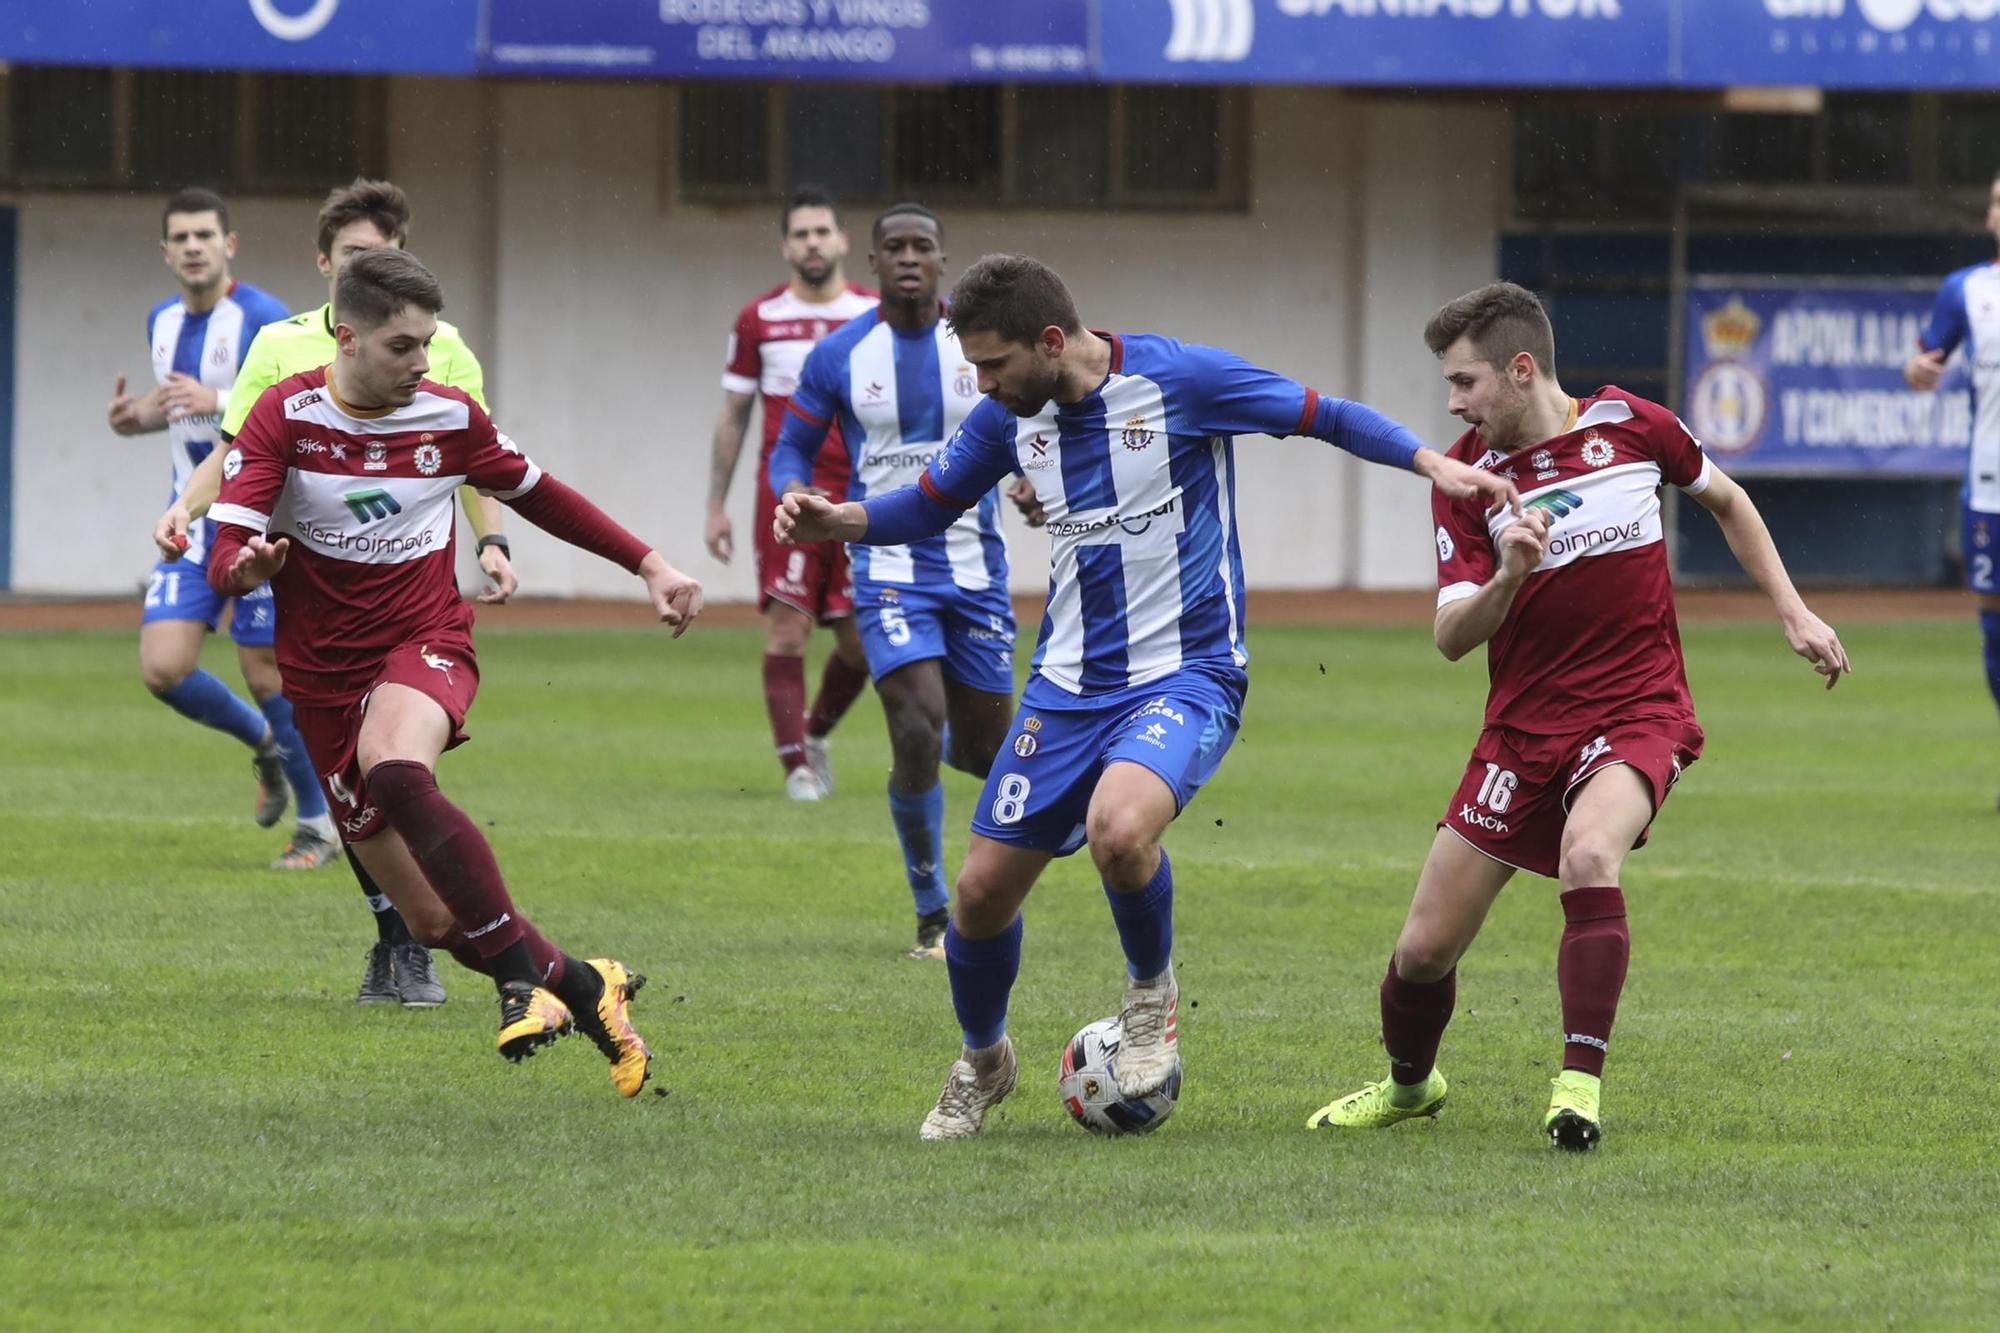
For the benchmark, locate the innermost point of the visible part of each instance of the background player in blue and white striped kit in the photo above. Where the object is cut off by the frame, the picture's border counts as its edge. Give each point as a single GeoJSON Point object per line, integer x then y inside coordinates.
{"type": "Point", "coordinates": [198, 341]}
{"type": "Point", "coordinates": [1139, 677]}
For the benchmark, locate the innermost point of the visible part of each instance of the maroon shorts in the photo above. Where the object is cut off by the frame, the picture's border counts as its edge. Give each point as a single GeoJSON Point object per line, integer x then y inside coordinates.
{"type": "Point", "coordinates": [445, 672]}
{"type": "Point", "coordinates": [1514, 798]}
{"type": "Point", "coordinates": [813, 579]}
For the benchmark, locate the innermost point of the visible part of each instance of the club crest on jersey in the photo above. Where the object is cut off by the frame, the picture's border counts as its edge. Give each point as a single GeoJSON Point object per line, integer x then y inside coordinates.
{"type": "Point", "coordinates": [964, 385]}
{"type": "Point", "coordinates": [1135, 435]}
{"type": "Point", "coordinates": [1024, 745]}
{"type": "Point", "coordinates": [220, 356]}
{"type": "Point", "coordinates": [1596, 450]}
{"type": "Point", "coordinates": [428, 458]}
{"type": "Point", "coordinates": [1543, 459]}
{"type": "Point", "coordinates": [376, 457]}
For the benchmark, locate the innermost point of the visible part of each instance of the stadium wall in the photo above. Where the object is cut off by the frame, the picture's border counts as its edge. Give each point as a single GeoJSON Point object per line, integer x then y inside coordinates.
{"type": "Point", "coordinates": [601, 303]}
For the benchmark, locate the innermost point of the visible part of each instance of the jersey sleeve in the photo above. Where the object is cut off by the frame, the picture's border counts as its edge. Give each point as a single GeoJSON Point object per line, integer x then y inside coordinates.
{"type": "Point", "coordinates": [979, 454]}
{"type": "Point", "coordinates": [1222, 394]}
{"type": "Point", "coordinates": [495, 464]}
{"type": "Point", "coordinates": [744, 365]}
{"type": "Point", "coordinates": [1946, 328]}
{"type": "Point", "coordinates": [258, 372]}
{"type": "Point", "coordinates": [262, 311]}
{"type": "Point", "coordinates": [254, 469]}
{"type": "Point", "coordinates": [1682, 460]}
{"type": "Point", "coordinates": [453, 364]}
{"type": "Point", "coordinates": [1464, 548]}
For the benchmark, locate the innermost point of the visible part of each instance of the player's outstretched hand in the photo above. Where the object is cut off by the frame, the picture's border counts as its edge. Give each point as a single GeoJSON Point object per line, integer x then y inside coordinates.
{"type": "Point", "coordinates": [1022, 493]}
{"type": "Point", "coordinates": [258, 561]}
{"type": "Point", "coordinates": [1462, 482]}
{"type": "Point", "coordinates": [1814, 640]}
{"type": "Point", "coordinates": [719, 535]}
{"type": "Point", "coordinates": [170, 534]}
{"type": "Point", "coordinates": [499, 571]}
{"type": "Point", "coordinates": [1923, 371]}
{"type": "Point", "coordinates": [676, 596]}
{"type": "Point", "coordinates": [1524, 542]}
{"type": "Point", "coordinates": [803, 517]}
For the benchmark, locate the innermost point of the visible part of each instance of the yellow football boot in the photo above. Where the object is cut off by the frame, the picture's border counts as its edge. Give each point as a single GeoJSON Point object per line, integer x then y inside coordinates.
{"type": "Point", "coordinates": [1574, 1123]}
{"type": "Point", "coordinates": [611, 1027]}
{"type": "Point", "coordinates": [1375, 1107]}
{"type": "Point", "coordinates": [530, 1018]}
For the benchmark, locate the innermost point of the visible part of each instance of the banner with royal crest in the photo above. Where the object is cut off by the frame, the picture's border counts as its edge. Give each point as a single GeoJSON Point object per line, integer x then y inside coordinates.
{"type": "Point", "coordinates": [1807, 380]}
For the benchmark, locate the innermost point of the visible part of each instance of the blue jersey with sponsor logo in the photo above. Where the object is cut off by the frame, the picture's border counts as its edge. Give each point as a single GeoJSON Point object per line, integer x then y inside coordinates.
{"type": "Point", "coordinates": [898, 397]}
{"type": "Point", "coordinates": [1968, 314]}
{"type": "Point", "coordinates": [1138, 481]}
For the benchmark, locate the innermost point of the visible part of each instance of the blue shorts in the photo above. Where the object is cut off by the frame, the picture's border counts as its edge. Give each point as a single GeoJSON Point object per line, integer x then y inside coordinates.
{"type": "Point", "coordinates": [178, 590]}
{"type": "Point", "coordinates": [972, 631]}
{"type": "Point", "coordinates": [1038, 793]}
{"type": "Point", "coordinates": [1981, 538]}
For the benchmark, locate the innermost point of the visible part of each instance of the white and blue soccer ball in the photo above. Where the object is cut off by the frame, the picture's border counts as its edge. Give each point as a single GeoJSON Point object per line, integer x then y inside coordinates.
{"type": "Point", "coordinates": [1089, 1085]}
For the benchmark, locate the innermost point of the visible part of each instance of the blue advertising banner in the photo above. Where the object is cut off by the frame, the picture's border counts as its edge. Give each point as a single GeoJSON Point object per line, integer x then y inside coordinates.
{"type": "Point", "coordinates": [1843, 43]}
{"type": "Point", "coordinates": [1016, 41]}
{"type": "Point", "coordinates": [1470, 43]}
{"type": "Point", "coordinates": [302, 36]}
{"type": "Point", "coordinates": [1810, 380]}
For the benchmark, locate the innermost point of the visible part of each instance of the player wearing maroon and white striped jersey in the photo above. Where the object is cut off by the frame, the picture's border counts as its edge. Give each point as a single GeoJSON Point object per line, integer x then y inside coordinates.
{"type": "Point", "coordinates": [1588, 719]}
{"type": "Point", "coordinates": [797, 586]}
{"type": "Point", "coordinates": [339, 490]}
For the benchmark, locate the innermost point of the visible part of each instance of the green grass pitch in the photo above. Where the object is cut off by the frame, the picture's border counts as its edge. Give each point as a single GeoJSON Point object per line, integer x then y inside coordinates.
{"type": "Point", "coordinates": [201, 1129]}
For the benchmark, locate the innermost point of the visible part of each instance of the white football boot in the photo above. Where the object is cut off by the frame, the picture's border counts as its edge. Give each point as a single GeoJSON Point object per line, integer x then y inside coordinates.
{"type": "Point", "coordinates": [802, 784]}
{"type": "Point", "coordinates": [1150, 1045]}
{"type": "Point", "coordinates": [969, 1093]}
{"type": "Point", "coordinates": [820, 762]}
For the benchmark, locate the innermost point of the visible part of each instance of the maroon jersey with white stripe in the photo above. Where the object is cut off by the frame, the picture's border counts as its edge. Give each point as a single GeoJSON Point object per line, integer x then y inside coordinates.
{"type": "Point", "coordinates": [1592, 634]}
{"type": "Point", "coordinates": [366, 499]}
{"type": "Point", "coordinates": [767, 349]}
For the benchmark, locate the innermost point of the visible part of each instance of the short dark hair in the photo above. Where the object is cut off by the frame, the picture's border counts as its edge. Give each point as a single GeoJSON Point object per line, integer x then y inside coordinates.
{"type": "Point", "coordinates": [1502, 319]}
{"type": "Point", "coordinates": [195, 199]}
{"type": "Point", "coordinates": [806, 196]}
{"type": "Point", "coordinates": [906, 210]}
{"type": "Point", "coordinates": [380, 202]}
{"type": "Point", "coordinates": [1013, 296]}
{"type": "Point", "coordinates": [375, 285]}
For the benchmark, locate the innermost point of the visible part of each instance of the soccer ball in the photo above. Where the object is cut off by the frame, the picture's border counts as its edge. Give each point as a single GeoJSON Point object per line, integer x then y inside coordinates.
{"type": "Point", "coordinates": [1090, 1089]}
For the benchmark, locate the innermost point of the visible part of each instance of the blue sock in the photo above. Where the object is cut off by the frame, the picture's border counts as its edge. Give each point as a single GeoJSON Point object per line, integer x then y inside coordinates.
{"type": "Point", "coordinates": [1989, 625]}
{"type": "Point", "coordinates": [298, 764]}
{"type": "Point", "coordinates": [920, 828]}
{"type": "Point", "coordinates": [1146, 922]}
{"type": "Point", "coordinates": [208, 701]}
{"type": "Point", "coordinates": [982, 977]}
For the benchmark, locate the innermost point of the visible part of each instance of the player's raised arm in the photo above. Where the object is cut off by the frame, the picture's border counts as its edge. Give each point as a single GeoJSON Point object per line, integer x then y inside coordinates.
{"type": "Point", "coordinates": [1245, 399]}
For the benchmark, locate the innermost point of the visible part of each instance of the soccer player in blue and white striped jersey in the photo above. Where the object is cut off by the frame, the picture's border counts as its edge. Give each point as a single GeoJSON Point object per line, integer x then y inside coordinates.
{"type": "Point", "coordinates": [1140, 674]}
{"type": "Point", "coordinates": [933, 614]}
{"type": "Point", "coordinates": [198, 340]}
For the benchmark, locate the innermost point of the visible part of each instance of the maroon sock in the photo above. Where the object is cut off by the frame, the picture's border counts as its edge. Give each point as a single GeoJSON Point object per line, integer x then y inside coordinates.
{"type": "Point", "coordinates": [785, 700]}
{"type": "Point", "coordinates": [1590, 970]}
{"type": "Point", "coordinates": [839, 686]}
{"type": "Point", "coordinates": [457, 860]}
{"type": "Point", "coordinates": [1414, 1014]}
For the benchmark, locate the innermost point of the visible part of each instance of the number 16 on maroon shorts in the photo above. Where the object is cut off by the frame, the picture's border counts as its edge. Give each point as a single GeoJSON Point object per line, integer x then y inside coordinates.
{"type": "Point", "coordinates": [1515, 795]}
